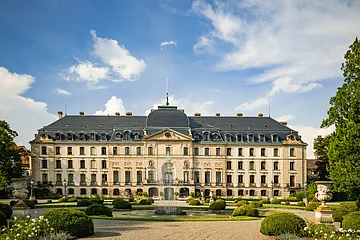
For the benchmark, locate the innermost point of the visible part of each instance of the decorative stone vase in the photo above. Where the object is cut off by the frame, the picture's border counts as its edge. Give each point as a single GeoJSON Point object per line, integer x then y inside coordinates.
{"type": "Point", "coordinates": [20, 192]}
{"type": "Point", "coordinates": [323, 214]}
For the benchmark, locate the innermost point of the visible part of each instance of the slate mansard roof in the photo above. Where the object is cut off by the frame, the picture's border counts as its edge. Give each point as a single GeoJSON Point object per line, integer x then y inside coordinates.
{"type": "Point", "coordinates": [134, 128]}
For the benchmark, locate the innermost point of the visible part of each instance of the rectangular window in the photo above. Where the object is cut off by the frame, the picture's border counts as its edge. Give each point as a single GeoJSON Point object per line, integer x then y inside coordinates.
{"type": "Point", "coordinates": [82, 151]}
{"type": "Point", "coordinates": [58, 163]}
{"type": "Point", "coordinates": [196, 177]}
{"type": "Point", "coordinates": [92, 151]}
{"type": "Point", "coordinates": [252, 179]}
{"type": "Point", "coordinates": [276, 152]}
{"type": "Point", "coordinates": [292, 164]}
{"type": "Point", "coordinates": [240, 179]}
{"type": "Point", "coordinates": [103, 151]}
{"type": "Point", "coordinates": [57, 150]}
{"type": "Point", "coordinates": [218, 178]}
{"type": "Point", "coordinates": [103, 164]}
{"type": "Point", "coordinates": [263, 179]}
{"type": "Point", "coordinates": [43, 150]}
{"type": "Point", "coordinates": [196, 151]}
{"type": "Point", "coordinates": [70, 164]}
{"type": "Point", "coordinates": [93, 179]}
{"type": "Point", "coordinates": [292, 181]}
{"type": "Point", "coordinates": [207, 152]}
{"type": "Point", "coordinates": [115, 151]}
{"type": "Point", "coordinates": [44, 164]}
{"type": "Point", "coordinates": [228, 165]}
{"type": "Point", "coordinates": [150, 151]}
{"type": "Point", "coordinates": [186, 151]}
{"type": "Point", "coordinates": [116, 177]}
{"type": "Point", "coordinates": [240, 151]}
{"type": "Point", "coordinates": [44, 178]}
{"type": "Point", "coordinates": [240, 165]}
{"type": "Point", "coordinates": [151, 176]}
{"type": "Point", "coordinates": [207, 177]}
{"type": "Point", "coordinates": [251, 152]}
{"type": "Point", "coordinates": [139, 177]}
{"type": "Point", "coordinates": [276, 193]}
{"type": "Point", "coordinates": [252, 165]}
{"type": "Point", "coordinates": [82, 163]}
{"type": "Point", "coordinates": [69, 150]}
{"type": "Point", "coordinates": [276, 165]}
{"type": "Point", "coordinates": [70, 178]}
{"type": "Point", "coordinates": [167, 151]}
{"type": "Point", "coordinates": [252, 192]}
{"type": "Point", "coordinates": [228, 178]}
{"type": "Point", "coordinates": [276, 179]}
{"type": "Point", "coordinates": [263, 165]}
{"type": "Point", "coordinates": [58, 179]}
{"type": "Point", "coordinates": [127, 151]}
{"type": "Point", "coordinates": [82, 178]}
{"type": "Point", "coordinates": [228, 152]}
{"type": "Point", "coordinates": [104, 179]}
{"type": "Point", "coordinates": [93, 163]}
{"type": "Point", "coordinates": [138, 151]}
{"type": "Point", "coordinates": [292, 152]}
{"type": "Point", "coordinates": [263, 193]}
{"type": "Point", "coordinates": [263, 152]}
{"type": "Point", "coordinates": [240, 192]}
{"type": "Point", "coordinates": [217, 151]}
{"type": "Point", "coordinates": [127, 177]}
{"type": "Point", "coordinates": [186, 176]}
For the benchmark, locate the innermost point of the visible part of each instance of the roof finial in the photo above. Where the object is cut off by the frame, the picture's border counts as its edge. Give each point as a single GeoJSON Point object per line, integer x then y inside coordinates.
{"type": "Point", "coordinates": [167, 92]}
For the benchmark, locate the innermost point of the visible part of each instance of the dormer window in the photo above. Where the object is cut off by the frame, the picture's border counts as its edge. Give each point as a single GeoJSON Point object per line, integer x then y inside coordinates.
{"type": "Point", "coordinates": [206, 136]}
{"type": "Point", "coordinates": [239, 137]}
{"type": "Point", "coordinates": [136, 136]}
{"type": "Point", "coordinates": [126, 135]}
{"type": "Point", "coordinates": [274, 137]}
{"type": "Point", "coordinates": [92, 136]}
{"type": "Point", "coordinates": [57, 136]}
{"type": "Point", "coordinates": [81, 136]}
{"type": "Point", "coordinates": [103, 136]}
{"type": "Point", "coordinates": [250, 137]}
{"type": "Point", "coordinates": [118, 135]}
{"type": "Point", "coordinates": [215, 136]}
{"type": "Point", "coordinates": [197, 136]}
{"type": "Point", "coordinates": [228, 137]}
{"type": "Point", "coordinates": [262, 137]}
{"type": "Point", "coordinates": [70, 136]}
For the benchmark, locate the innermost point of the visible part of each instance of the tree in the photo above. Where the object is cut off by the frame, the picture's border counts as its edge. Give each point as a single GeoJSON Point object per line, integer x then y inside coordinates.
{"type": "Point", "coordinates": [10, 160]}
{"type": "Point", "coordinates": [344, 114]}
{"type": "Point", "coordinates": [321, 145]}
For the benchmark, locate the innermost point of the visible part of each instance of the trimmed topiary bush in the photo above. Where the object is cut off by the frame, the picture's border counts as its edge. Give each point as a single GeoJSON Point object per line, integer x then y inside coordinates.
{"type": "Point", "coordinates": [120, 203]}
{"type": "Point", "coordinates": [352, 221]}
{"type": "Point", "coordinates": [194, 202]}
{"type": "Point", "coordinates": [218, 205]}
{"type": "Point", "coordinates": [98, 209]}
{"type": "Point", "coordinates": [312, 206]}
{"type": "Point", "coordinates": [276, 201]}
{"type": "Point", "coordinates": [71, 221]}
{"type": "Point", "coordinates": [242, 203]}
{"type": "Point", "coordinates": [255, 204]}
{"type": "Point", "coordinates": [239, 211]}
{"type": "Point", "coordinates": [278, 223]}
{"type": "Point", "coordinates": [7, 210]}
{"type": "Point", "coordinates": [97, 199]}
{"type": "Point", "coordinates": [29, 203]}
{"type": "Point", "coordinates": [300, 204]}
{"type": "Point", "coordinates": [245, 211]}
{"type": "Point", "coordinates": [265, 201]}
{"type": "Point", "coordinates": [146, 201]}
{"type": "Point", "coordinates": [63, 199]}
{"type": "Point", "coordinates": [251, 211]}
{"type": "Point", "coordinates": [188, 200]}
{"type": "Point", "coordinates": [72, 199]}
{"type": "Point", "coordinates": [84, 202]}
{"type": "Point", "coordinates": [338, 214]}
{"type": "Point", "coordinates": [300, 196]}
{"type": "Point", "coordinates": [286, 203]}
{"type": "Point", "coordinates": [350, 207]}
{"type": "Point", "coordinates": [3, 219]}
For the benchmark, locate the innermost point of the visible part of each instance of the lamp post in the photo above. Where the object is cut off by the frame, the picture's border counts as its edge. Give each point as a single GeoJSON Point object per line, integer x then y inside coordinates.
{"type": "Point", "coordinates": [272, 189]}
{"type": "Point", "coordinates": [31, 189]}
{"type": "Point", "coordinates": [65, 184]}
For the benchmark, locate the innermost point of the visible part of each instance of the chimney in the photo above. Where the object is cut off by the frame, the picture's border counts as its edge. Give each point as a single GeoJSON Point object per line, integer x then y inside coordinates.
{"type": "Point", "coordinates": [284, 123]}
{"type": "Point", "coordinates": [197, 114]}
{"type": "Point", "coordinates": [81, 113]}
{"type": "Point", "coordinates": [239, 114]}
{"type": "Point", "coordinates": [128, 113]}
{"type": "Point", "coordinates": [217, 114]}
{"type": "Point", "coordinates": [117, 113]}
{"type": "Point", "coordinates": [260, 115]}
{"type": "Point", "coordinates": [60, 113]}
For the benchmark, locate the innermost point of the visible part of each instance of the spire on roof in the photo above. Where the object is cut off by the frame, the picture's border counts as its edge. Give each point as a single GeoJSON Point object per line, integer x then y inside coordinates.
{"type": "Point", "coordinates": [167, 92]}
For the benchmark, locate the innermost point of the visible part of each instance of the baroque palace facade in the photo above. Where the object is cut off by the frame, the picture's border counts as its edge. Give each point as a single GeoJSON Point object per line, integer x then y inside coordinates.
{"type": "Point", "coordinates": [169, 153]}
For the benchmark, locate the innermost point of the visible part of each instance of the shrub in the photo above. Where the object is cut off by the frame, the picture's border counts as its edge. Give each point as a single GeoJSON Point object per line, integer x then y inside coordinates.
{"type": "Point", "coordinates": [63, 199]}
{"type": "Point", "coordinates": [146, 201]}
{"type": "Point", "coordinates": [350, 207]}
{"type": "Point", "coordinates": [276, 201]}
{"type": "Point", "coordinates": [286, 203]}
{"type": "Point", "coordinates": [72, 199]}
{"type": "Point", "coordinates": [49, 201]}
{"type": "Point", "coordinates": [218, 205]}
{"type": "Point", "coordinates": [98, 209]}
{"type": "Point", "coordinates": [13, 202]}
{"type": "Point", "coordinates": [300, 204]}
{"type": "Point", "coordinates": [251, 211]}
{"type": "Point", "coordinates": [311, 196]}
{"type": "Point", "coordinates": [131, 199]}
{"type": "Point", "coordinates": [255, 204]}
{"type": "Point", "coordinates": [188, 199]}
{"type": "Point", "coordinates": [338, 214]}
{"type": "Point", "coordinates": [7, 210]}
{"type": "Point", "coordinates": [288, 236]}
{"type": "Point", "coordinates": [245, 211]}
{"type": "Point", "coordinates": [192, 194]}
{"type": "Point", "coordinates": [139, 194]}
{"type": "Point", "coordinates": [119, 203]}
{"type": "Point", "coordinates": [71, 221]}
{"type": "Point", "coordinates": [194, 202]}
{"type": "Point", "coordinates": [300, 196]}
{"type": "Point", "coordinates": [145, 194]}
{"type": "Point", "coordinates": [3, 219]}
{"type": "Point", "coordinates": [278, 223]}
{"type": "Point", "coordinates": [352, 221]}
{"type": "Point", "coordinates": [312, 206]}
{"type": "Point", "coordinates": [265, 201]}
{"type": "Point", "coordinates": [29, 203]}
{"type": "Point", "coordinates": [97, 199]}
{"type": "Point", "coordinates": [84, 202]}
{"type": "Point", "coordinates": [242, 203]}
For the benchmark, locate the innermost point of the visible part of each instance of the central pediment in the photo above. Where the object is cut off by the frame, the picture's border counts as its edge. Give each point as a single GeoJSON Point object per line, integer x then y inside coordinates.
{"type": "Point", "coordinates": [168, 135]}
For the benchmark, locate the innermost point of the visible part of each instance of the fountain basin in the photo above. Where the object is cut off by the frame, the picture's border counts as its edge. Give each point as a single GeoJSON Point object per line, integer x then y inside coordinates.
{"type": "Point", "coordinates": [173, 211]}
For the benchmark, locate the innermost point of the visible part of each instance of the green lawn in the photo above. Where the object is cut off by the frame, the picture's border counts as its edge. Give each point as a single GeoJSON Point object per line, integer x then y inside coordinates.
{"type": "Point", "coordinates": [178, 219]}
{"type": "Point", "coordinates": [283, 206]}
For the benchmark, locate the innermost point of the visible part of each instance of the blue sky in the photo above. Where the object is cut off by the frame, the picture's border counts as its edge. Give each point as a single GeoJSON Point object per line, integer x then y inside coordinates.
{"type": "Point", "coordinates": [218, 56]}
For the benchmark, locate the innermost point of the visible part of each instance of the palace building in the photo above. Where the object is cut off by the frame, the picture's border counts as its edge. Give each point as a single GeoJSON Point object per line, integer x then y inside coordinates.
{"type": "Point", "coordinates": [168, 153]}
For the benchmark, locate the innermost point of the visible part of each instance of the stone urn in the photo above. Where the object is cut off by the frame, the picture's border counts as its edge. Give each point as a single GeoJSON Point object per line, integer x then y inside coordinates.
{"type": "Point", "coordinates": [323, 214]}
{"type": "Point", "coordinates": [20, 192]}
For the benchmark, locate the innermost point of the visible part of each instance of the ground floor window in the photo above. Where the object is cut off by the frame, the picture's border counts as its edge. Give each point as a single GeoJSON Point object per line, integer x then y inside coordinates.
{"type": "Point", "coordinates": [83, 191]}
{"type": "Point", "coordinates": [263, 193]}
{"type": "Point", "coordinates": [116, 192]}
{"type": "Point", "coordinates": [104, 191]}
{"type": "Point", "coordinates": [229, 192]}
{"type": "Point", "coordinates": [218, 192]}
{"type": "Point", "coordinates": [59, 190]}
{"type": "Point", "coordinates": [276, 193]}
{"type": "Point", "coordinates": [240, 192]}
{"type": "Point", "coordinates": [93, 191]}
{"type": "Point", "coordinates": [252, 192]}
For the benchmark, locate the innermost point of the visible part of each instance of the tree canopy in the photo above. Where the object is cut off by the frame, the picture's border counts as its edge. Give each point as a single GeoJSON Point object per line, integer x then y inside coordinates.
{"type": "Point", "coordinates": [321, 145]}
{"type": "Point", "coordinates": [344, 114]}
{"type": "Point", "coordinates": [10, 160]}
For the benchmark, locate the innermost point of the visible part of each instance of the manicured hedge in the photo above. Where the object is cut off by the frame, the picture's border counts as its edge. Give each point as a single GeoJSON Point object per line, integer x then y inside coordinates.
{"type": "Point", "coordinates": [121, 204]}
{"type": "Point", "coordinates": [352, 221]}
{"type": "Point", "coordinates": [98, 209]}
{"type": "Point", "coordinates": [146, 201]}
{"type": "Point", "coordinates": [194, 202]}
{"type": "Point", "coordinates": [255, 204]}
{"type": "Point", "coordinates": [300, 204]}
{"type": "Point", "coordinates": [71, 221]}
{"type": "Point", "coordinates": [84, 202]}
{"type": "Point", "coordinates": [276, 201]}
{"type": "Point", "coordinates": [278, 223]}
{"type": "Point", "coordinates": [312, 206]}
{"type": "Point", "coordinates": [218, 205]}
{"type": "Point", "coordinates": [245, 211]}
{"type": "Point", "coordinates": [265, 201]}
{"type": "Point", "coordinates": [242, 203]}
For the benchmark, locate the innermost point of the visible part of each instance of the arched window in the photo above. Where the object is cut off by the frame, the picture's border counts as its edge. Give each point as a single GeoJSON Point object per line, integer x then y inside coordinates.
{"type": "Point", "coordinates": [103, 136]}
{"type": "Point", "coordinates": [206, 136]}
{"type": "Point", "coordinates": [81, 136]}
{"type": "Point", "coordinates": [69, 136]}
{"type": "Point", "coordinates": [250, 137]}
{"type": "Point", "coordinates": [127, 151]}
{"type": "Point", "coordinates": [274, 137]}
{"type": "Point", "coordinates": [118, 135]}
{"type": "Point", "coordinates": [239, 137]}
{"type": "Point", "coordinates": [126, 136]}
{"type": "Point", "coordinates": [262, 137]}
{"type": "Point", "coordinates": [228, 137]}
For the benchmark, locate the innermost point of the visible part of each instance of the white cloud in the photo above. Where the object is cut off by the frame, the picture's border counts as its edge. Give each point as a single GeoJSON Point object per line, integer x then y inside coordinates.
{"type": "Point", "coordinates": [14, 108]}
{"type": "Point", "coordinates": [258, 103]}
{"type": "Point", "coordinates": [296, 44]}
{"type": "Point", "coordinates": [162, 44]}
{"type": "Point", "coordinates": [112, 106]}
{"type": "Point", "coordinates": [285, 118]}
{"type": "Point", "coordinates": [62, 91]}
{"type": "Point", "coordinates": [204, 45]}
{"type": "Point", "coordinates": [188, 104]}
{"type": "Point", "coordinates": [117, 57]}
{"type": "Point", "coordinates": [86, 71]}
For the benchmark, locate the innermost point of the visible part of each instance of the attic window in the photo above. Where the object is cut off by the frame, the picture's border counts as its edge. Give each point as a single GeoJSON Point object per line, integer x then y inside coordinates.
{"type": "Point", "coordinates": [137, 136]}
{"type": "Point", "coordinates": [215, 136]}
{"type": "Point", "coordinates": [250, 137]}
{"type": "Point", "coordinates": [103, 136]}
{"type": "Point", "coordinates": [118, 135]}
{"type": "Point", "coordinates": [92, 136]}
{"type": "Point", "coordinates": [69, 136]}
{"type": "Point", "coordinates": [81, 136]}
{"type": "Point", "coordinates": [274, 137]}
{"type": "Point", "coordinates": [262, 137]}
{"type": "Point", "coordinates": [239, 137]}
{"type": "Point", "coordinates": [100, 124]}
{"type": "Point", "coordinates": [57, 136]}
{"type": "Point", "coordinates": [206, 136]}
{"type": "Point", "coordinates": [126, 135]}
{"type": "Point", "coordinates": [228, 137]}
{"type": "Point", "coordinates": [197, 136]}
{"type": "Point", "coordinates": [166, 135]}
